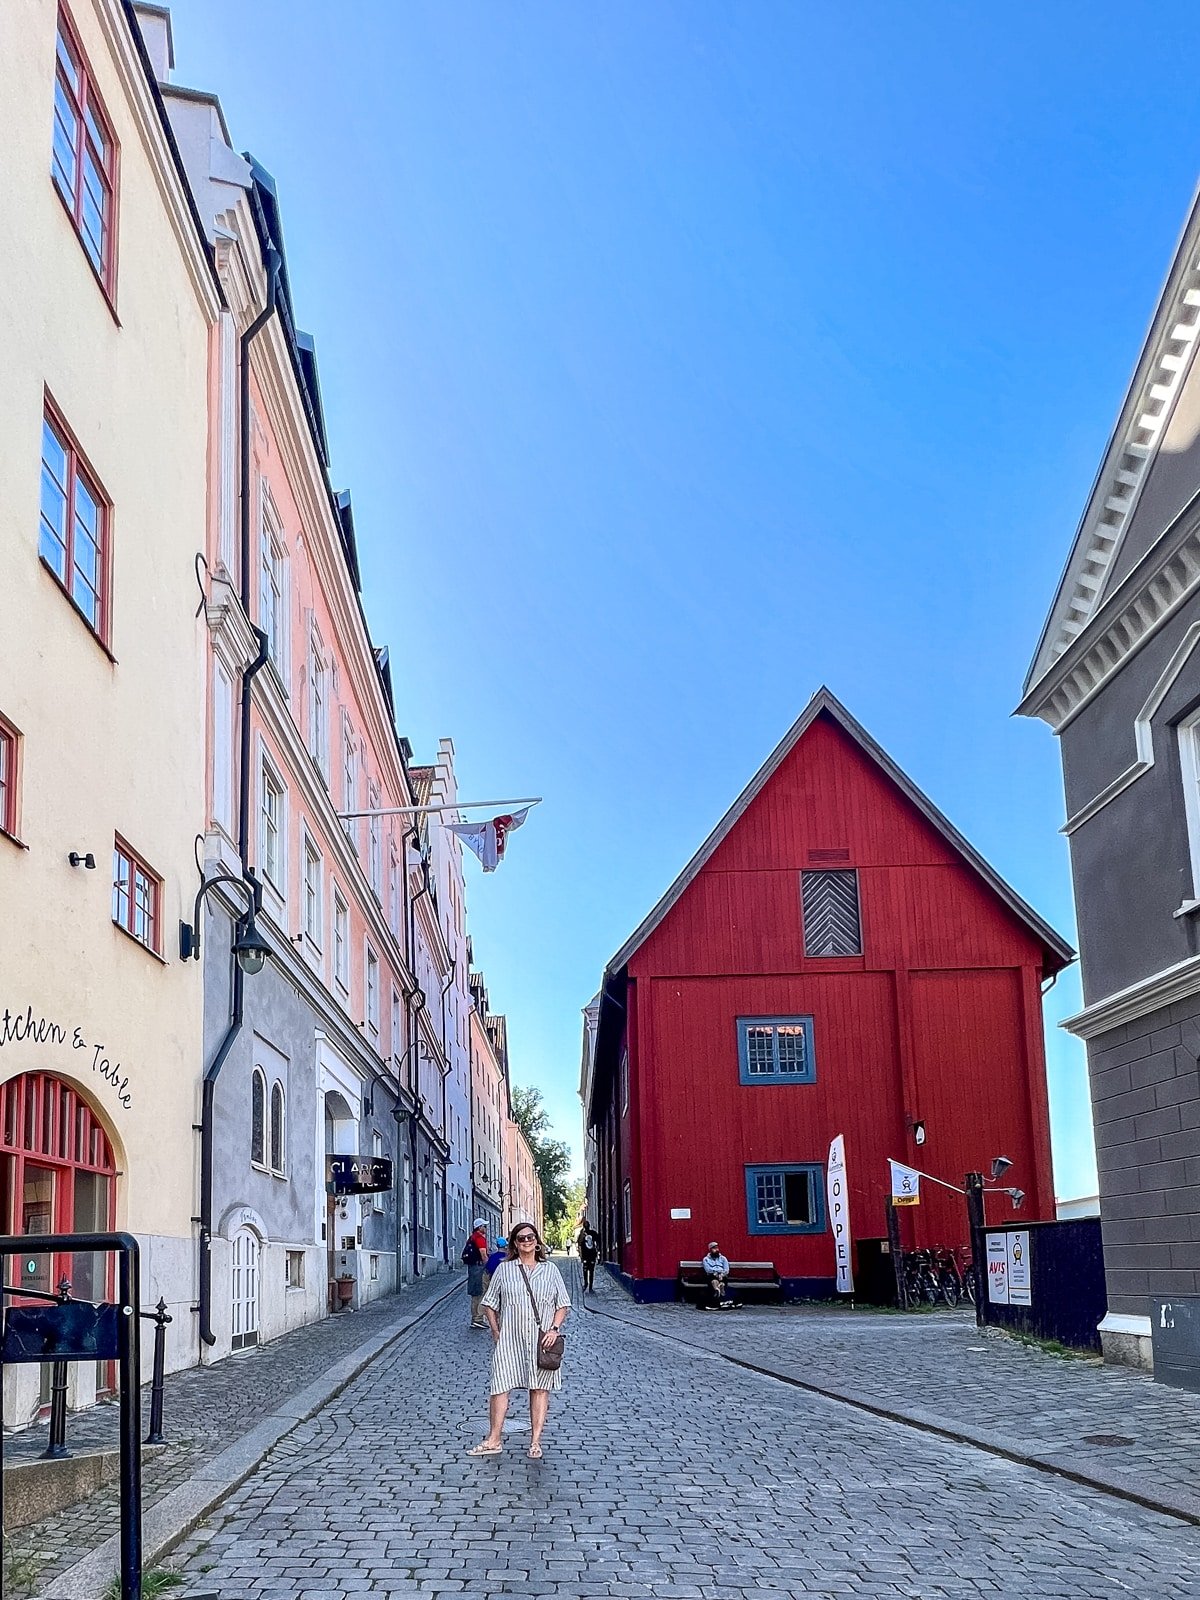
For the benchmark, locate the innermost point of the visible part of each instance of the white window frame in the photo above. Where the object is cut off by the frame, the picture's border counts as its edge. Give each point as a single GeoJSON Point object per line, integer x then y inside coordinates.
{"type": "Point", "coordinates": [375, 843]}
{"type": "Point", "coordinates": [341, 941]}
{"type": "Point", "coordinates": [269, 780]}
{"type": "Point", "coordinates": [313, 894]}
{"type": "Point", "coordinates": [394, 1041]}
{"type": "Point", "coordinates": [273, 583]}
{"type": "Point", "coordinates": [280, 1170]}
{"type": "Point", "coordinates": [349, 780]}
{"type": "Point", "coordinates": [222, 757]}
{"type": "Point", "coordinates": [1189, 766]}
{"type": "Point", "coordinates": [318, 703]}
{"type": "Point", "coordinates": [377, 1154]}
{"type": "Point", "coordinates": [371, 976]}
{"type": "Point", "coordinates": [394, 891]}
{"type": "Point", "coordinates": [261, 1164]}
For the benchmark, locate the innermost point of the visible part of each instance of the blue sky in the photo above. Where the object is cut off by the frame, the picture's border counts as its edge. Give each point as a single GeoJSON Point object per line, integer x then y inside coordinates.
{"type": "Point", "coordinates": [682, 357]}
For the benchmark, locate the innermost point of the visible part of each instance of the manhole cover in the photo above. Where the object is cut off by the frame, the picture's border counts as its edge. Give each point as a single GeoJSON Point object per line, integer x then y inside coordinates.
{"type": "Point", "coordinates": [1108, 1439]}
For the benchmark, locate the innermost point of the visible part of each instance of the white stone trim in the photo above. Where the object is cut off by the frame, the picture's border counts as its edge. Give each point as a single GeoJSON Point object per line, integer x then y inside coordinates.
{"type": "Point", "coordinates": [1143, 736]}
{"type": "Point", "coordinates": [1062, 694]}
{"type": "Point", "coordinates": [1178, 982]}
{"type": "Point", "coordinates": [1119, 1322]}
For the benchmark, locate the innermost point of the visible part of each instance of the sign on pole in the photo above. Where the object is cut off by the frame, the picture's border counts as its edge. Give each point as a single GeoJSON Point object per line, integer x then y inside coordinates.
{"type": "Point", "coordinates": [839, 1214]}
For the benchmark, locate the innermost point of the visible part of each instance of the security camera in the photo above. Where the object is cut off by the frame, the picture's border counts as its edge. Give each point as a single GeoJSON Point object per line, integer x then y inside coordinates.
{"type": "Point", "coordinates": [1000, 1166]}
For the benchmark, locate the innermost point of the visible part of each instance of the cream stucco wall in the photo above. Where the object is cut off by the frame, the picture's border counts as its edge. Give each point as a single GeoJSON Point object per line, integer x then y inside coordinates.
{"type": "Point", "coordinates": [110, 743]}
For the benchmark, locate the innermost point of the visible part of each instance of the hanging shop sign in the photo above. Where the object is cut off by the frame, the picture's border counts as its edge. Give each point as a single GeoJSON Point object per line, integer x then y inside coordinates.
{"type": "Point", "coordinates": [358, 1174]}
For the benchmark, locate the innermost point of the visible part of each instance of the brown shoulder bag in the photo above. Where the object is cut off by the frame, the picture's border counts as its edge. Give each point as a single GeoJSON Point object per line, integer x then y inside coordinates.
{"type": "Point", "coordinates": [549, 1356]}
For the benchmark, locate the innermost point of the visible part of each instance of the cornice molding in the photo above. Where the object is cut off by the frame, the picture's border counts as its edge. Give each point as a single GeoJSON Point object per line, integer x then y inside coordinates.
{"type": "Point", "coordinates": [1162, 582]}
{"type": "Point", "coordinates": [1167, 355]}
{"type": "Point", "coordinates": [1141, 999]}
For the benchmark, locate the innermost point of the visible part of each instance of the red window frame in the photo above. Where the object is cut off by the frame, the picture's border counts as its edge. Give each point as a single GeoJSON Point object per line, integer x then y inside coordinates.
{"type": "Point", "coordinates": [10, 777]}
{"type": "Point", "coordinates": [78, 470]}
{"type": "Point", "coordinates": [85, 104]}
{"type": "Point", "coordinates": [48, 1123]}
{"type": "Point", "coordinates": [126, 908]}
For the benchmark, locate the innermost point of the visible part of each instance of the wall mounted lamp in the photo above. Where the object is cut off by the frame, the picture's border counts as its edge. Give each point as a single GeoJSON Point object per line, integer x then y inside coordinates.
{"type": "Point", "coordinates": [250, 948]}
{"type": "Point", "coordinates": [77, 860]}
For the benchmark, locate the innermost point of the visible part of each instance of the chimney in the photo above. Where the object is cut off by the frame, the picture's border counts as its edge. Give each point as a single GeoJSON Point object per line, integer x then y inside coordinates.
{"type": "Point", "coordinates": [155, 24]}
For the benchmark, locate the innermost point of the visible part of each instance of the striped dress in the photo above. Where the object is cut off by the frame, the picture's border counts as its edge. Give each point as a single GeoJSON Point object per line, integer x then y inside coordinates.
{"type": "Point", "coordinates": [514, 1362]}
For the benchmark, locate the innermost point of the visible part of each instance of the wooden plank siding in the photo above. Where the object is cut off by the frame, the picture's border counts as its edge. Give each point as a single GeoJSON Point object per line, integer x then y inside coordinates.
{"type": "Point", "coordinates": [939, 1020]}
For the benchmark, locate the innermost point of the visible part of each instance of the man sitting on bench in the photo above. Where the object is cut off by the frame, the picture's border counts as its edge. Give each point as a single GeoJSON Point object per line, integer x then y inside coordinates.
{"type": "Point", "coordinates": [716, 1269]}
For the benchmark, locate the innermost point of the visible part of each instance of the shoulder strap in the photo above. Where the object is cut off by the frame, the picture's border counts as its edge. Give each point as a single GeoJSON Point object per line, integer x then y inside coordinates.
{"type": "Point", "coordinates": [529, 1291]}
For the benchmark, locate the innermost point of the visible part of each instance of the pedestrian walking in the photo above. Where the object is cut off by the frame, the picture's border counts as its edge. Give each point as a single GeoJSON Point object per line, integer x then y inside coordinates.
{"type": "Point", "coordinates": [589, 1254]}
{"type": "Point", "coordinates": [526, 1305]}
{"type": "Point", "coordinates": [499, 1254]}
{"type": "Point", "coordinates": [474, 1257]}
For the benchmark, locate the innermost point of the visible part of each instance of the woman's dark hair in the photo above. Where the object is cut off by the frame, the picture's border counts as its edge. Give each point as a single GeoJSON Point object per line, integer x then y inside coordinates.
{"type": "Point", "coordinates": [540, 1254]}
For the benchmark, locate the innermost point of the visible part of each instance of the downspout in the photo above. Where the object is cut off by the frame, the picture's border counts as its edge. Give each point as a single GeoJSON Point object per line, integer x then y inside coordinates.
{"type": "Point", "coordinates": [446, 987]}
{"type": "Point", "coordinates": [414, 1071]}
{"type": "Point", "coordinates": [237, 994]}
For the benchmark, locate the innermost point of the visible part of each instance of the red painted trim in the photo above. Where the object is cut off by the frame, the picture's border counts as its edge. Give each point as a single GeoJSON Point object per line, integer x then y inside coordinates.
{"type": "Point", "coordinates": [89, 99]}
{"type": "Point", "coordinates": [10, 806]}
{"type": "Point", "coordinates": [79, 467]}
{"type": "Point", "coordinates": [135, 864]}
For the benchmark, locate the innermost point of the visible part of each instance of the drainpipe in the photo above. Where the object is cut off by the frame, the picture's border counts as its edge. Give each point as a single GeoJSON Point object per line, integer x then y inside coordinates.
{"type": "Point", "coordinates": [446, 987]}
{"type": "Point", "coordinates": [237, 988]}
{"type": "Point", "coordinates": [414, 1071]}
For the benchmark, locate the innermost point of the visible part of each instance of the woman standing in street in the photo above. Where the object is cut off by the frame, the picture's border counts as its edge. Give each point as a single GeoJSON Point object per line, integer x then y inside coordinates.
{"type": "Point", "coordinates": [526, 1305]}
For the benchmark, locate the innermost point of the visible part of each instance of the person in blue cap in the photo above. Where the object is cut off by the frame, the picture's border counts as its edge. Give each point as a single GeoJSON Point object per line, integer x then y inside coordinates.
{"type": "Point", "coordinates": [497, 1255]}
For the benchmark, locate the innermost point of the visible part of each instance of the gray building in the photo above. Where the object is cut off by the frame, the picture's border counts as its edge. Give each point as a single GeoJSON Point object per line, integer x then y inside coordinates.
{"type": "Point", "coordinates": [1117, 676]}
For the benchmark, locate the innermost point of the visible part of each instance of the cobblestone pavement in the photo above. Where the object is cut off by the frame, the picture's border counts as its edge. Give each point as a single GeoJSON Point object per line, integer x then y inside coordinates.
{"type": "Point", "coordinates": [667, 1473]}
{"type": "Point", "coordinates": [205, 1409]}
{"type": "Point", "coordinates": [939, 1364]}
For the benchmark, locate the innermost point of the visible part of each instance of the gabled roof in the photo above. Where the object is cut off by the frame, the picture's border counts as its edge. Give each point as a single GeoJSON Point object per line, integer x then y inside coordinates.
{"type": "Point", "coordinates": [825, 703]}
{"type": "Point", "coordinates": [1145, 415]}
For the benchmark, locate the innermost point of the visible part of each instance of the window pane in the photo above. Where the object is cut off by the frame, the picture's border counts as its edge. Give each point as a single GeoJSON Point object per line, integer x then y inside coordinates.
{"type": "Point", "coordinates": [143, 909]}
{"type": "Point", "coordinates": [759, 1060]}
{"type": "Point", "coordinates": [798, 1189]}
{"type": "Point", "coordinates": [66, 131]}
{"type": "Point", "coordinates": [277, 1127]}
{"type": "Point", "coordinates": [67, 61]}
{"type": "Point", "coordinates": [120, 889]}
{"type": "Point", "coordinates": [793, 1055]}
{"type": "Point", "coordinates": [258, 1117]}
{"type": "Point", "coordinates": [769, 1186]}
{"type": "Point", "coordinates": [53, 529]}
{"type": "Point", "coordinates": [97, 135]}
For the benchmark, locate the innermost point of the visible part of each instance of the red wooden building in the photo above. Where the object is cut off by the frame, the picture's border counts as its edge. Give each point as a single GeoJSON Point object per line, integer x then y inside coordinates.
{"type": "Point", "coordinates": [835, 959]}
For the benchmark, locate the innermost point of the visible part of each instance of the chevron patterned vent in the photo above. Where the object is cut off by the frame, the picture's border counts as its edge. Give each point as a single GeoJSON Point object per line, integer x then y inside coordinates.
{"type": "Point", "coordinates": [830, 901]}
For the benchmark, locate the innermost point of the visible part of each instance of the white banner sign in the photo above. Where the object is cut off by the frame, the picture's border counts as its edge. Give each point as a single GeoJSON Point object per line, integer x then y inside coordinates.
{"type": "Point", "coordinates": [997, 1269]}
{"type": "Point", "coordinates": [906, 1185]}
{"type": "Point", "coordinates": [839, 1214]}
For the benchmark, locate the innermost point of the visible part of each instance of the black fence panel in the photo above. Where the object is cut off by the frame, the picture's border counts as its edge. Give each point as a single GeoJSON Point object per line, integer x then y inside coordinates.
{"type": "Point", "coordinates": [1044, 1279]}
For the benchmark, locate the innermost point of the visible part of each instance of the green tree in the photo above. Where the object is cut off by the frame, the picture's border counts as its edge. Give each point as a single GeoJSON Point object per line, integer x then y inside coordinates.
{"type": "Point", "coordinates": [551, 1157]}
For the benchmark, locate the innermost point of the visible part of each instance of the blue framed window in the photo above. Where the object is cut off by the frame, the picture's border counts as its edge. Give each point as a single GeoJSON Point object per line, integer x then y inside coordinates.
{"type": "Point", "coordinates": [776, 1050]}
{"type": "Point", "coordinates": [788, 1198]}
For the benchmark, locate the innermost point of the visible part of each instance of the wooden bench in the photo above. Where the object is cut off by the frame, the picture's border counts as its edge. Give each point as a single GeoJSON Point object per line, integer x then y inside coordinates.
{"type": "Point", "coordinates": [757, 1279]}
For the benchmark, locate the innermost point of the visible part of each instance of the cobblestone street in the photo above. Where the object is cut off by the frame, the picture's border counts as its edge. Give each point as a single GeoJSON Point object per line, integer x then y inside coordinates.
{"type": "Point", "coordinates": [668, 1472]}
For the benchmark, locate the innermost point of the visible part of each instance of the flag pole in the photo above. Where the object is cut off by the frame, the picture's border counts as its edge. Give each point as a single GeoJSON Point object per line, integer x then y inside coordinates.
{"type": "Point", "coordinates": [423, 811]}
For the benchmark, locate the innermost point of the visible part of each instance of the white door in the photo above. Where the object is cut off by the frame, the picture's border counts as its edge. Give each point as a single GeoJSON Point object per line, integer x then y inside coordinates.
{"type": "Point", "coordinates": [245, 1289]}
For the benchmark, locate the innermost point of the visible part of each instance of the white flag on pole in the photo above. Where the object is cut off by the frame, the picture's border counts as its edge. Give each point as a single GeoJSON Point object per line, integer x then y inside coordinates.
{"type": "Point", "coordinates": [839, 1214]}
{"type": "Point", "coordinates": [906, 1185]}
{"type": "Point", "coordinates": [488, 839]}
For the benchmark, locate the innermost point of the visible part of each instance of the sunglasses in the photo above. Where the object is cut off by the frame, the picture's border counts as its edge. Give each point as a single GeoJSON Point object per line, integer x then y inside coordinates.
{"type": "Point", "coordinates": [524, 1238]}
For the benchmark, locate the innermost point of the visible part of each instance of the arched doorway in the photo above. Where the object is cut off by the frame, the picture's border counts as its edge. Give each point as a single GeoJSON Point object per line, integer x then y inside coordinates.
{"type": "Point", "coordinates": [57, 1175]}
{"type": "Point", "coordinates": [244, 1288]}
{"type": "Point", "coordinates": [341, 1222]}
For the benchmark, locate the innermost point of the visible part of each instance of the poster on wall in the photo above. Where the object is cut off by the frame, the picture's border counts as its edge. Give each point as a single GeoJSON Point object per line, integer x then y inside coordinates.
{"type": "Point", "coordinates": [1020, 1283]}
{"type": "Point", "coordinates": [997, 1269]}
{"type": "Point", "coordinates": [839, 1214]}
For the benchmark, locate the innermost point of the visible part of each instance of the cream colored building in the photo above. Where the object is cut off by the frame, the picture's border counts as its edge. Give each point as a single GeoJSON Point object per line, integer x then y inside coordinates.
{"type": "Point", "coordinates": [108, 308]}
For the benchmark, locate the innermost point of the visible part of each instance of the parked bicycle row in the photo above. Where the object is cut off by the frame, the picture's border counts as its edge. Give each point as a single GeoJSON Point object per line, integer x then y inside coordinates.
{"type": "Point", "coordinates": [927, 1277]}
